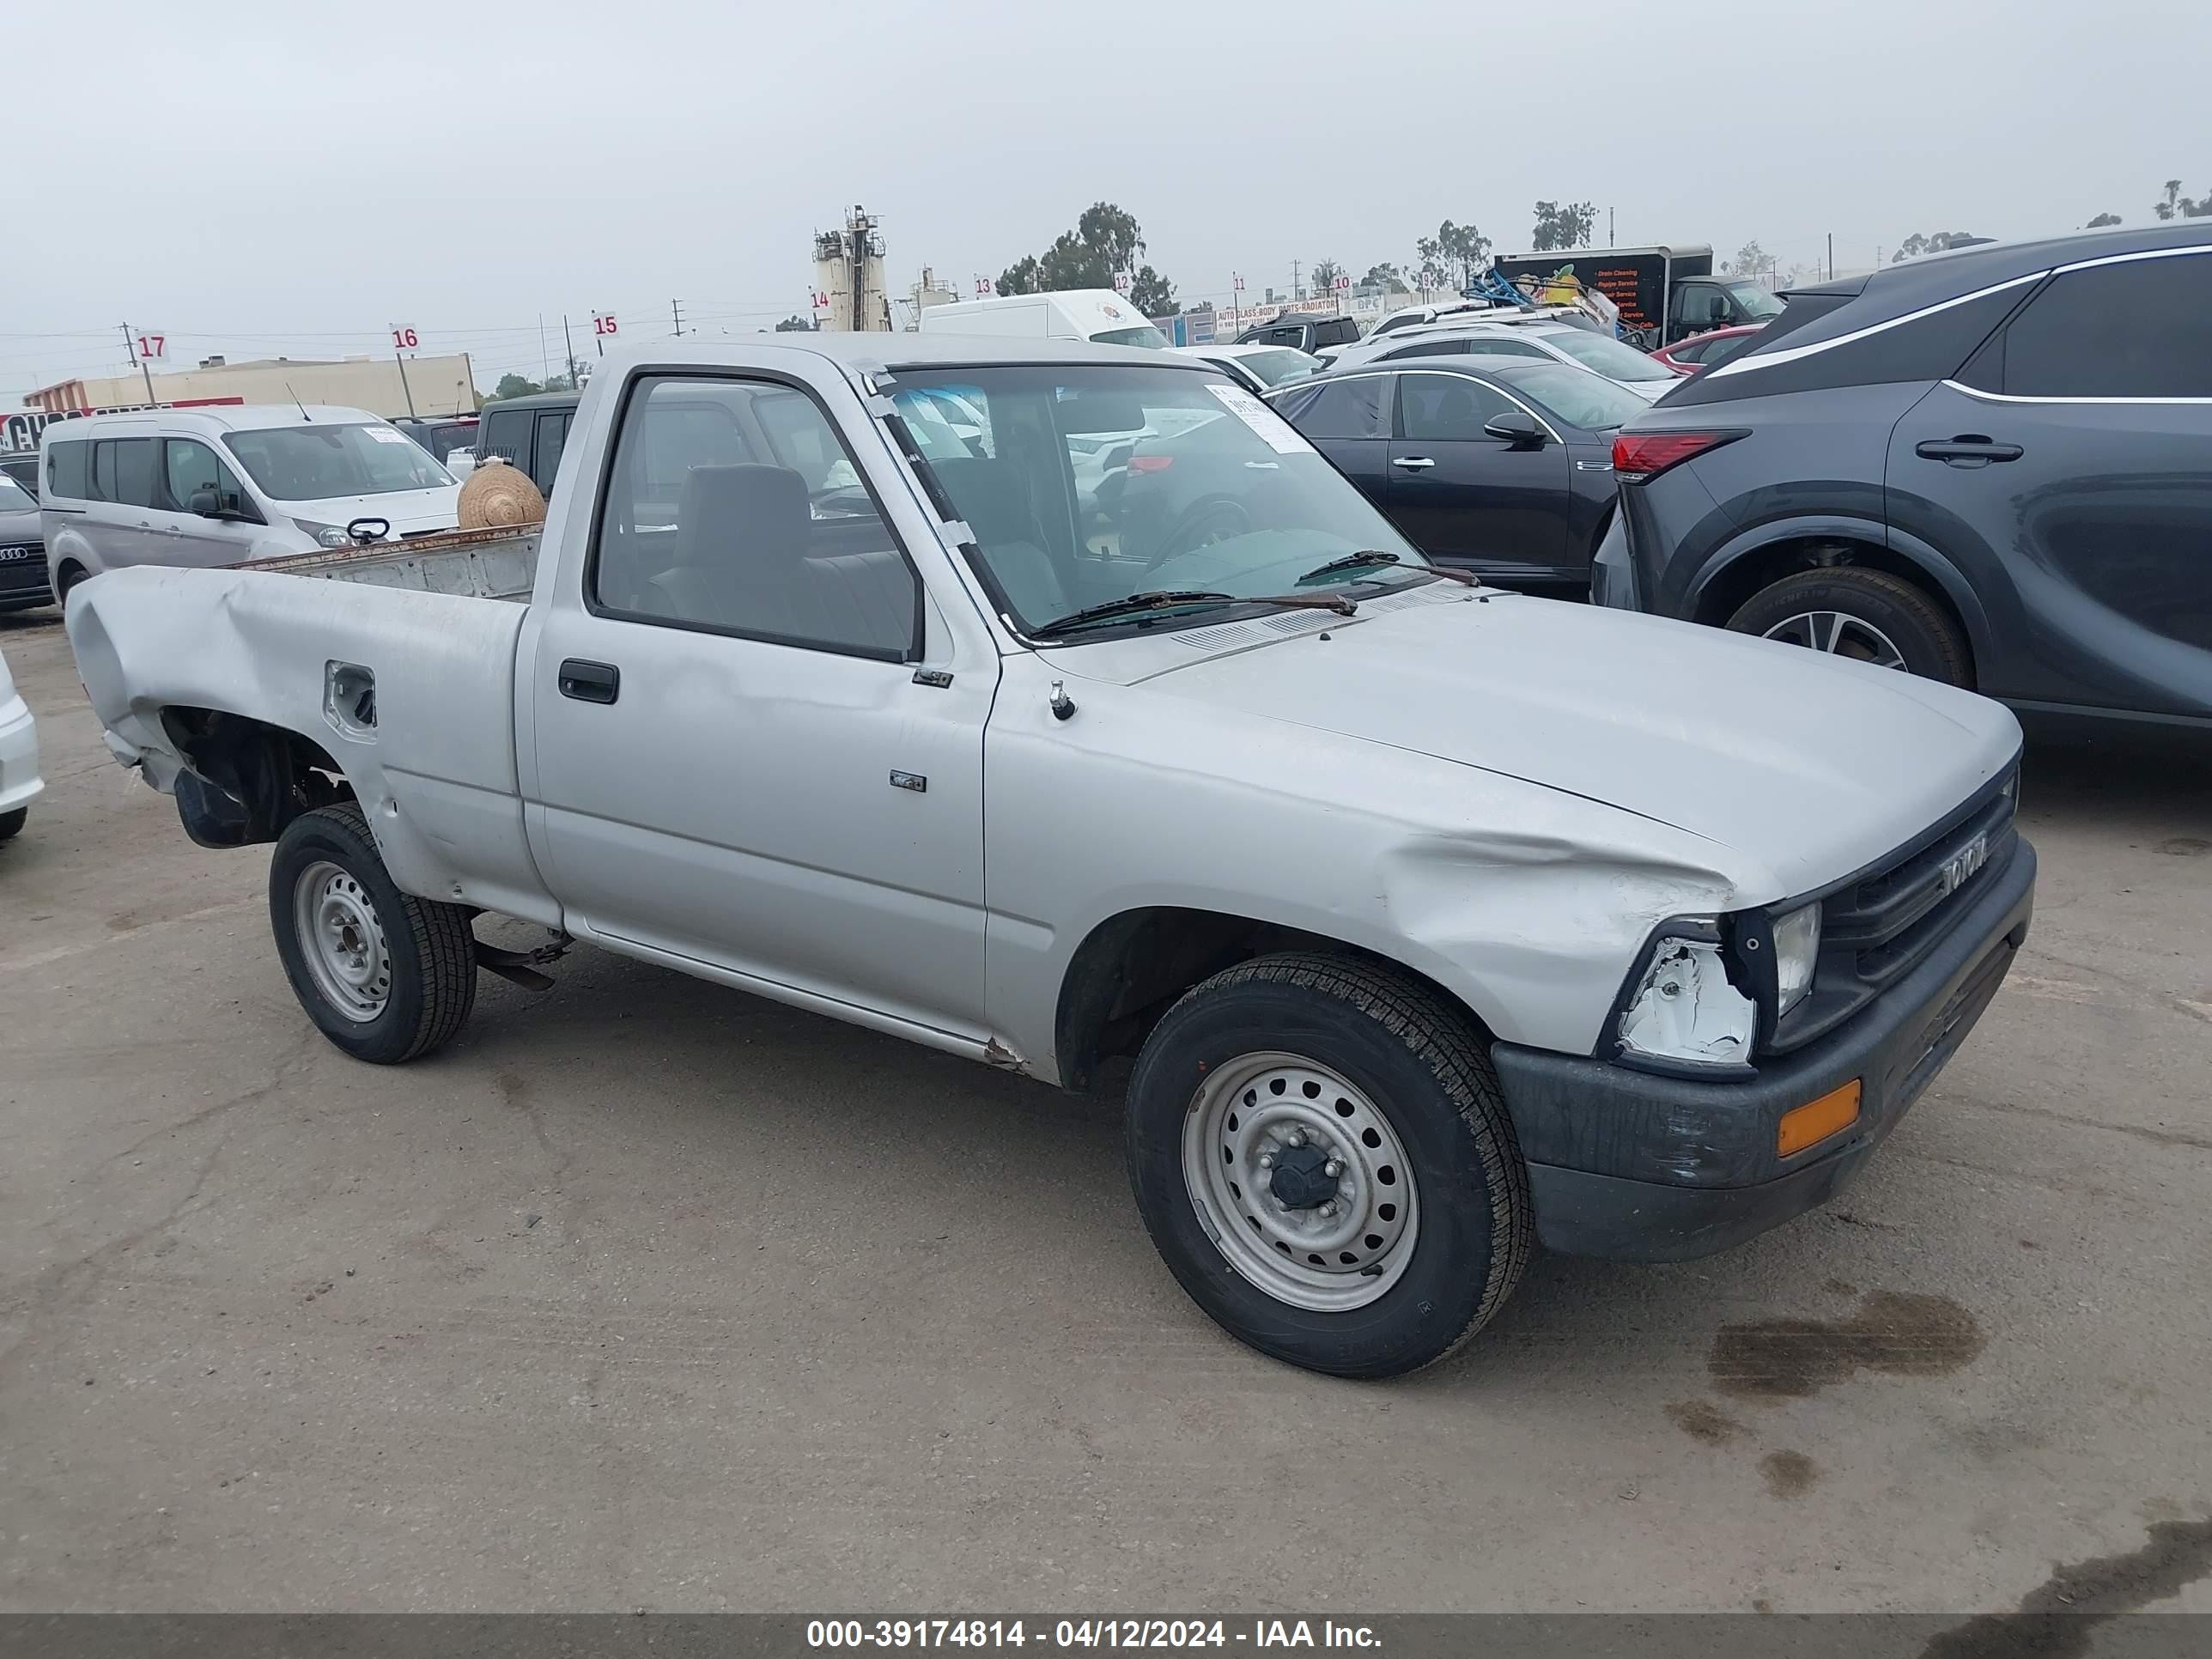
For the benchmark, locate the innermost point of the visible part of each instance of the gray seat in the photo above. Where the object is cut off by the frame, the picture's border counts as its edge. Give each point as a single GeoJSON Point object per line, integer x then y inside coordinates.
{"type": "Point", "coordinates": [741, 561]}
{"type": "Point", "coordinates": [989, 495]}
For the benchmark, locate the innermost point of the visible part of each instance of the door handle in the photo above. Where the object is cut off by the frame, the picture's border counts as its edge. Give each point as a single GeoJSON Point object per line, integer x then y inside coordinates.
{"type": "Point", "coordinates": [1413, 463]}
{"type": "Point", "coordinates": [590, 682]}
{"type": "Point", "coordinates": [1967, 446]}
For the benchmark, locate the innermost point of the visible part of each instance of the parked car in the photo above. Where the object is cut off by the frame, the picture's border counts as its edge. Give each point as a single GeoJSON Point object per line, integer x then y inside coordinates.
{"type": "Point", "coordinates": [528, 432]}
{"type": "Point", "coordinates": [1663, 294]}
{"type": "Point", "coordinates": [23, 581]}
{"type": "Point", "coordinates": [1702, 351]}
{"type": "Point", "coordinates": [1097, 315]}
{"type": "Point", "coordinates": [23, 465]}
{"type": "Point", "coordinates": [1317, 337]}
{"type": "Point", "coordinates": [1257, 368]}
{"type": "Point", "coordinates": [1495, 465]}
{"type": "Point", "coordinates": [1534, 340]}
{"type": "Point", "coordinates": [1440, 921]}
{"type": "Point", "coordinates": [1987, 467]}
{"type": "Point", "coordinates": [1424, 316]}
{"type": "Point", "coordinates": [20, 782]}
{"type": "Point", "coordinates": [216, 486]}
{"type": "Point", "coordinates": [442, 437]}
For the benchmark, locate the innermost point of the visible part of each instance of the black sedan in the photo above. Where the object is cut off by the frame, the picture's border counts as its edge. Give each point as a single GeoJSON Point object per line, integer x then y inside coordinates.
{"type": "Point", "coordinates": [1505, 469]}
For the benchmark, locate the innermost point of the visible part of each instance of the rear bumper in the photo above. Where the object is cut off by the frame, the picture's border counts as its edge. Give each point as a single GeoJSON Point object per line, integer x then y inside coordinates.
{"type": "Point", "coordinates": [1635, 1167]}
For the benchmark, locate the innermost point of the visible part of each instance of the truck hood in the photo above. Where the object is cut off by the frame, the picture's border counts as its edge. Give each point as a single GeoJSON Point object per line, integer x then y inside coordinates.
{"type": "Point", "coordinates": [1808, 765]}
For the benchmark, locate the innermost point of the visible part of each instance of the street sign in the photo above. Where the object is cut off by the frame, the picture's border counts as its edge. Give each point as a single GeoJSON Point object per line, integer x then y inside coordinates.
{"type": "Point", "coordinates": [603, 323]}
{"type": "Point", "coordinates": [821, 301]}
{"type": "Point", "coordinates": [985, 289]}
{"type": "Point", "coordinates": [1343, 282]}
{"type": "Point", "coordinates": [150, 346]}
{"type": "Point", "coordinates": [404, 339]}
{"type": "Point", "coordinates": [1123, 281]}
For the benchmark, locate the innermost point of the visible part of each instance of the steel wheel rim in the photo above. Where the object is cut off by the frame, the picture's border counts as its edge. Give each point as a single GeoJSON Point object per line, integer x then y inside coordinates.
{"type": "Point", "coordinates": [1840, 635]}
{"type": "Point", "coordinates": [1288, 1108]}
{"type": "Point", "coordinates": [342, 939]}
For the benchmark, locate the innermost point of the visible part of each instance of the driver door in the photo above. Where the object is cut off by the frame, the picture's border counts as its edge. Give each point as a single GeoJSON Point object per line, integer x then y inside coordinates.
{"type": "Point", "coordinates": [1468, 499]}
{"type": "Point", "coordinates": [191, 470]}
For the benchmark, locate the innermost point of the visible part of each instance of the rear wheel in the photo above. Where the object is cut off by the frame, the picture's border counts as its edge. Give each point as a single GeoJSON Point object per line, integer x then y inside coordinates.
{"type": "Point", "coordinates": [1321, 1153]}
{"type": "Point", "coordinates": [385, 975]}
{"type": "Point", "coordinates": [1866, 616]}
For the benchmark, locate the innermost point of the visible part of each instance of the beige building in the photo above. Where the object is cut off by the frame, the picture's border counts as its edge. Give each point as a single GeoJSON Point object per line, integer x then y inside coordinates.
{"type": "Point", "coordinates": [438, 386]}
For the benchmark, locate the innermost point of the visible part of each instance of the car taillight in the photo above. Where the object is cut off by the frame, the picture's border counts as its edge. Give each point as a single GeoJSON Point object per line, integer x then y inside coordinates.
{"type": "Point", "coordinates": [1638, 456]}
{"type": "Point", "coordinates": [1150, 463]}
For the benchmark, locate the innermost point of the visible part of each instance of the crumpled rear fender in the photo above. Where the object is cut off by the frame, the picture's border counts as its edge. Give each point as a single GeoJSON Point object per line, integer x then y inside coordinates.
{"type": "Point", "coordinates": [432, 768]}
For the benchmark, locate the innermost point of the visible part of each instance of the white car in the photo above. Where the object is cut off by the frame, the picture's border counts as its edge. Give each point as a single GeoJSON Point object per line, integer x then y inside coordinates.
{"type": "Point", "coordinates": [1257, 368]}
{"type": "Point", "coordinates": [225, 485]}
{"type": "Point", "coordinates": [1533, 338]}
{"type": "Point", "coordinates": [20, 782]}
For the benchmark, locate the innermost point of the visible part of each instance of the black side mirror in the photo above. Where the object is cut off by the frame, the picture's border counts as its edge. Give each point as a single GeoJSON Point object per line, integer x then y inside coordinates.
{"type": "Point", "coordinates": [1517, 427]}
{"type": "Point", "coordinates": [206, 503]}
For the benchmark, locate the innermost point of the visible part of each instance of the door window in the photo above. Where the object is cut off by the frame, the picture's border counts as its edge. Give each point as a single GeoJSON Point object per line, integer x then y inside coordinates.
{"type": "Point", "coordinates": [545, 462]}
{"type": "Point", "coordinates": [1428, 348]}
{"type": "Point", "coordinates": [1503, 349]}
{"type": "Point", "coordinates": [189, 467]}
{"type": "Point", "coordinates": [507, 432]}
{"type": "Point", "coordinates": [707, 526]}
{"type": "Point", "coordinates": [123, 471]}
{"type": "Point", "coordinates": [1703, 307]}
{"type": "Point", "coordinates": [1448, 408]}
{"type": "Point", "coordinates": [1358, 408]}
{"type": "Point", "coordinates": [2140, 329]}
{"type": "Point", "coordinates": [68, 471]}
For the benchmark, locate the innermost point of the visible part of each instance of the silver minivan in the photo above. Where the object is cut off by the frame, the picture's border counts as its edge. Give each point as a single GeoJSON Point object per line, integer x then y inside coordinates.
{"type": "Point", "coordinates": [226, 485]}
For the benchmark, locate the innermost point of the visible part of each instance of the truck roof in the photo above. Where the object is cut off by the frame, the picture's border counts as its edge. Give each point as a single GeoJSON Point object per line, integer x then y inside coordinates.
{"type": "Point", "coordinates": [1672, 251]}
{"type": "Point", "coordinates": [891, 351]}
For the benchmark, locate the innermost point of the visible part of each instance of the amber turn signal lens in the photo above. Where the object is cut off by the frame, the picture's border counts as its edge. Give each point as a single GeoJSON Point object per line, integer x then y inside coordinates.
{"type": "Point", "coordinates": [1816, 1119]}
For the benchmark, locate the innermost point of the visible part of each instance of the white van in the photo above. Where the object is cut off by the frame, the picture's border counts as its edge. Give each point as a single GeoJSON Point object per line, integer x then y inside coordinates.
{"type": "Point", "coordinates": [224, 485]}
{"type": "Point", "coordinates": [1097, 315]}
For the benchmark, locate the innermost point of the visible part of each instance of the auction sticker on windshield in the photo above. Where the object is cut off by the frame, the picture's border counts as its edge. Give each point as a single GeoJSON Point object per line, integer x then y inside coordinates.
{"type": "Point", "coordinates": [1278, 433]}
{"type": "Point", "coordinates": [385, 434]}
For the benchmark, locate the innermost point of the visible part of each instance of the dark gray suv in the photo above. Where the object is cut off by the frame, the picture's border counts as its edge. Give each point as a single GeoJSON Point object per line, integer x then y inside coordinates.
{"type": "Point", "coordinates": [1991, 467]}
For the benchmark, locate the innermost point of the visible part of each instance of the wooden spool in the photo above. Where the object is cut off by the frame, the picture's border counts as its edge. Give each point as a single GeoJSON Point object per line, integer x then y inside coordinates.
{"type": "Point", "coordinates": [497, 494]}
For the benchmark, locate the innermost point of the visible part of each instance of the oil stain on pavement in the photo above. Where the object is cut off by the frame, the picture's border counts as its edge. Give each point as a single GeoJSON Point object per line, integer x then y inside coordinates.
{"type": "Point", "coordinates": [2057, 1618]}
{"type": "Point", "coordinates": [1896, 1333]}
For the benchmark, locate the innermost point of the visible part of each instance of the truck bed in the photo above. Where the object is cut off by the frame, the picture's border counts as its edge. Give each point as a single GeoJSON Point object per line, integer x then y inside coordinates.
{"type": "Point", "coordinates": [499, 563]}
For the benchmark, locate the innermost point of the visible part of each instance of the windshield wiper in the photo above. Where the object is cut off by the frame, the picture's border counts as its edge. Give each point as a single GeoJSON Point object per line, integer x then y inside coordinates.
{"type": "Point", "coordinates": [1359, 560]}
{"type": "Point", "coordinates": [1137, 604]}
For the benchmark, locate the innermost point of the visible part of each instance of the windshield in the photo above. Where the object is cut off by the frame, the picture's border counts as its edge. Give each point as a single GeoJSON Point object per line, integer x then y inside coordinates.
{"type": "Point", "coordinates": [314, 463]}
{"type": "Point", "coordinates": [1143, 334]}
{"type": "Point", "coordinates": [1610, 358]}
{"type": "Point", "coordinates": [1755, 302]}
{"type": "Point", "coordinates": [13, 498]}
{"type": "Point", "coordinates": [1083, 485]}
{"type": "Point", "coordinates": [1576, 397]}
{"type": "Point", "coordinates": [1280, 364]}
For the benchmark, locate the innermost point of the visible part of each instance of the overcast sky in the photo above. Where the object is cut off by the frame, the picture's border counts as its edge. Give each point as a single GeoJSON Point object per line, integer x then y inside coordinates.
{"type": "Point", "coordinates": [295, 178]}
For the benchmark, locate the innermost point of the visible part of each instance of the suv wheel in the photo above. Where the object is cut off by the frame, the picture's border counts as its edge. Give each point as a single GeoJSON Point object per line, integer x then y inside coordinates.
{"type": "Point", "coordinates": [1867, 616]}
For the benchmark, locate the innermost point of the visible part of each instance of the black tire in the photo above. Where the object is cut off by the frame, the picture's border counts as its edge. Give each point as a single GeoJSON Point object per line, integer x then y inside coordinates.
{"type": "Point", "coordinates": [11, 823]}
{"type": "Point", "coordinates": [1422, 1062]}
{"type": "Point", "coordinates": [430, 949]}
{"type": "Point", "coordinates": [66, 579]}
{"type": "Point", "coordinates": [1927, 639]}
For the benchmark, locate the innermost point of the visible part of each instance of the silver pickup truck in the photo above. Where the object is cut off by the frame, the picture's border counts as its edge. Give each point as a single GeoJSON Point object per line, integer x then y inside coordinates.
{"type": "Point", "coordinates": [1058, 706]}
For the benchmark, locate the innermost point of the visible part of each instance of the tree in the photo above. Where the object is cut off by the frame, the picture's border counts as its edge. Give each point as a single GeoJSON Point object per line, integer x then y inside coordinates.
{"type": "Point", "coordinates": [2101, 220]}
{"type": "Point", "coordinates": [513, 386]}
{"type": "Point", "coordinates": [1105, 242]}
{"type": "Point", "coordinates": [1462, 245]}
{"type": "Point", "coordinates": [1750, 259]}
{"type": "Point", "coordinates": [1384, 275]}
{"type": "Point", "coordinates": [1564, 227]}
{"type": "Point", "coordinates": [1429, 263]}
{"type": "Point", "coordinates": [2175, 204]}
{"type": "Point", "coordinates": [1152, 294]}
{"type": "Point", "coordinates": [1323, 279]}
{"type": "Point", "coordinates": [795, 323]}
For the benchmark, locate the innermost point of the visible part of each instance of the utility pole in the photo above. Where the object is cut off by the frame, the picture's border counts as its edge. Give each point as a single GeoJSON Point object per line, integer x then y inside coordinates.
{"type": "Point", "coordinates": [404, 386]}
{"type": "Point", "coordinates": [1831, 256]}
{"type": "Point", "coordinates": [131, 350]}
{"type": "Point", "coordinates": [1294, 280]}
{"type": "Point", "coordinates": [1611, 240]}
{"type": "Point", "coordinates": [676, 310]}
{"type": "Point", "coordinates": [544, 362]}
{"type": "Point", "coordinates": [569, 341]}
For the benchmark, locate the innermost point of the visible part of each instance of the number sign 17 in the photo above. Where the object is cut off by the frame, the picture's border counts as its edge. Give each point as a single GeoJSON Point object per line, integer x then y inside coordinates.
{"type": "Point", "coordinates": [152, 347]}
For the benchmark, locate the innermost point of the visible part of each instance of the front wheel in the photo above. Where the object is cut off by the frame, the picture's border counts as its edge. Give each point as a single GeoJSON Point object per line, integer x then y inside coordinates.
{"type": "Point", "coordinates": [1320, 1154]}
{"type": "Point", "coordinates": [11, 823]}
{"type": "Point", "coordinates": [1867, 616]}
{"type": "Point", "coordinates": [385, 975]}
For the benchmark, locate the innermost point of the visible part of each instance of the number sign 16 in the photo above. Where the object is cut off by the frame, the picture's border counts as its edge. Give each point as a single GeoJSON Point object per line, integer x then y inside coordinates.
{"type": "Point", "coordinates": [404, 339]}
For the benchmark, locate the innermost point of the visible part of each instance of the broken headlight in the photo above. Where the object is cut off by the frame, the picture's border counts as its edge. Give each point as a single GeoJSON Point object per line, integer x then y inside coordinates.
{"type": "Point", "coordinates": [1681, 1009]}
{"type": "Point", "coordinates": [1796, 949]}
